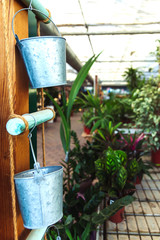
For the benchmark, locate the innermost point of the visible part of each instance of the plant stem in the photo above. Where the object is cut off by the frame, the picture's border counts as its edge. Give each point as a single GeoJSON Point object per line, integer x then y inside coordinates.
{"type": "Point", "coordinates": [104, 224]}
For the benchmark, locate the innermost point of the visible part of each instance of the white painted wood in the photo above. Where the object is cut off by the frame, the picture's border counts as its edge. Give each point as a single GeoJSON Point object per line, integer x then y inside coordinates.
{"type": "Point", "coordinates": [36, 234]}
{"type": "Point", "coordinates": [16, 126]}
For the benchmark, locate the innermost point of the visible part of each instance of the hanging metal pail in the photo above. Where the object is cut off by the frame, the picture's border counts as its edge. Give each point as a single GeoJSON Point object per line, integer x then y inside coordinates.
{"type": "Point", "coordinates": [44, 58]}
{"type": "Point", "coordinates": [40, 196]}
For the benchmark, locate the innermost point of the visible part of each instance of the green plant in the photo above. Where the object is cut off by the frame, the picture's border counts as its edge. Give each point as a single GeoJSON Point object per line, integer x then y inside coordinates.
{"type": "Point", "coordinates": [107, 137]}
{"type": "Point", "coordinates": [146, 107]}
{"type": "Point", "coordinates": [81, 163]}
{"type": "Point", "coordinates": [80, 207]}
{"type": "Point", "coordinates": [70, 228]}
{"type": "Point", "coordinates": [101, 116]}
{"type": "Point", "coordinates": [134, 145]}
{"type": "Point", "coordinates": [134, 77]}
{"type": "Point", "coordinates": [86, 116]}
{"type": "Point", "coordinates": [65, 111]}
{"type": "Point", "coordinates": [119, 108]}
{"type": "Point", "coordinates": [157, 52]}
{"type": "Point", "coordinates": [112, 172]}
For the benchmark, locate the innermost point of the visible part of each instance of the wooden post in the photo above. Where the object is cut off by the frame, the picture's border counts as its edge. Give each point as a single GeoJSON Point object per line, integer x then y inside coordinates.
{"type": "Point", "coordinates": [96, 85]}
{"type": "Point", "coordinates": [21, 144]}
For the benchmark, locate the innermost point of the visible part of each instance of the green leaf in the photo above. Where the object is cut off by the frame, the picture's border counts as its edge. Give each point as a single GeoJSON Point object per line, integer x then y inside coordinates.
{"type": "Point", "coordinates": [101, 134]}
{"type": "Point", "coordinates": [68, 220]}
{"type": "Point", "coordinates": [121, 178]}
{"type": "Point", "coordinates": [65, 117]}
{"type": "Point", "coordinates": [93, 203]}
{"type": "Point", "coordinates": [68, 234]}
{"type": "Point", "coordinates": [111, 164]}
{"type": "Point", "coordinates": [50, 238]}
{"type": "Point", "coordinates": [92, 119]}
{"type": "Point", "coordinates": [100, 164]}
{"type": "Point", "coordinates": [121, 157]}
{"type": "Point", "coordinates": [95, 126]}
{"type": "Point", "coordinates": [132, 168]}
{"type": "Point", "coordinates": [86, 232]}
{"type": "Point", "coordinates": [79, 81]}
{"type": "Point", "coordinates": [63, 137]}
{"type": "Point", "coordinates": [64, 122]}
{"type": "Point", "coordinates": [117, 126]}
{"type": "Point", "coordinates": [86, 217]}
{"type": "Point", "coordinates": [103, 215]}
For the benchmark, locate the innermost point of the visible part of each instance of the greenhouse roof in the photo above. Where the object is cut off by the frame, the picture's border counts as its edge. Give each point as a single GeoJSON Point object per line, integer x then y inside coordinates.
{"type": "Point", "coordinates": [124, 30]}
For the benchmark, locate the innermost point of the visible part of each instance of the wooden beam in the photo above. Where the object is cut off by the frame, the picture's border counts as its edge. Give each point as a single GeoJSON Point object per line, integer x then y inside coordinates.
{"type": "Point", "coordinates": [106, 24]}
{"type": "Point", "coordinates": [20, 93]}
{"type": "Point", "coordinates": [109, 33]}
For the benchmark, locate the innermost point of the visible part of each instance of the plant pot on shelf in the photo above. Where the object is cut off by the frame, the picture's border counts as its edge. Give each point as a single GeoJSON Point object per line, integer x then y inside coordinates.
{"type": "Point", "coordinates": [87, 130]}
{"type": "Point", "coordinates": [155, 157]}
{"type": "Point", "coordinates": [118, 216]}
{"type": "Point", "coordinates": [138, 180]}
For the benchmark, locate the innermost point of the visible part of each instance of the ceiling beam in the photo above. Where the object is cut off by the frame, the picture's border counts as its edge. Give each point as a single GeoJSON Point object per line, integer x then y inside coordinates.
{"type": "Point", "coordinates": [109, 33]}
{"type": "Point", "coordinates": [106, 24]}
{"type": "Point", "coordinates": [121, 61]}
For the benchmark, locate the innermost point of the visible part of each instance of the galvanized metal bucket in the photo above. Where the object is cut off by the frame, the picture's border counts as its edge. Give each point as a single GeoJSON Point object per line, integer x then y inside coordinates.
{"type": "Point", "coordinates": [40, 196]}
{"type": "Point", "coordinates": [44, 57]}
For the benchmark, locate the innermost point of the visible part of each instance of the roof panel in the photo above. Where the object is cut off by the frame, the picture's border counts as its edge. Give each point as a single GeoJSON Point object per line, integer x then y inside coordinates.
{"type": "Point", "coordinates": [101, 19]}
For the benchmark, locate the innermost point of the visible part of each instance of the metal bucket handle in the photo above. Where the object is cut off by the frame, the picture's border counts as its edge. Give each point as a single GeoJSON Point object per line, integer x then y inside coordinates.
{"type": "Point", "coordinates": [31, 9]}
{"type": "Point", "coordinates": [36, 164]}
{"type": "Point", "coordinates": [58, 237]}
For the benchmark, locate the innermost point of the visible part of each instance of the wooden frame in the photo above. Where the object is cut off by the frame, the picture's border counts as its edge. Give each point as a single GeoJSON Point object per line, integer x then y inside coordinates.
{"type": "Point", "coordinates": [21, 105]}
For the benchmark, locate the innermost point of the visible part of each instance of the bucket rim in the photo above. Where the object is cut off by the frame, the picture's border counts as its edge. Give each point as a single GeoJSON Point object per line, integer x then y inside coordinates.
{"type": "Point", "coordinates": [42, 226]}
{"type": "Point", "coordinates": [37, 37]}
{"type": "Point", "coordinates": [18, 175]}
{"type": "Point", "coordinates": [49, 85]}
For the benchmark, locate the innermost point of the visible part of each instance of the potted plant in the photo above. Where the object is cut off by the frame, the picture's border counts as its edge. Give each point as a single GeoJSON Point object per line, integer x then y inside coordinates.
{"type": "Point", "coordinates": [134, 145]}
{"type": "Point", "coordinates": [80, 167]}
{"type": "Point", "coordinates": [112, 172]}
{"type": "Point", "coordinates": [134, 77]}
{"type": "Point", "coordinates": [119, 108]}
{"type": "Point", "coordinates": [86, 116]}
{"type": "Point", "coordinates": [146, 107]}
{"type": "Point", "coordinates": [101, 116]}
{"type": "Point", "coordinates": [81, 219]}
{"type": "Point", "coordinates": [108, 136]}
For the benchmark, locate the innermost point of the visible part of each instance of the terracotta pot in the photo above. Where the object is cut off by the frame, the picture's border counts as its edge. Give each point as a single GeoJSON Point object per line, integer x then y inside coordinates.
{"type": "Point", "coordinates": [87, 130]}
{"type": "Point", "coordinates": [138, 180]}
{"type": "Point", "coordinates": [155, 157]}
{"type": "Point", "coordinates": [118, 216]}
